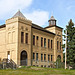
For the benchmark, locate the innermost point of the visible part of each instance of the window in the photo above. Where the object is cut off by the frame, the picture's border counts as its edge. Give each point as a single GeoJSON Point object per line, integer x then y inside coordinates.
{"type": "Point", "coordinates": [57, 44]}
{"type": "Point", "coordinates": [41, 65]}
{"type": "Point", "coordinates": [33, 39]}
{"type": "Point", "coordinates": [48, 57]}
{"type": "Point", "coordinates": [22, 37]}
{"type": "Point", "coordinates": [44, 65]}
{"type": "Point", "coordinates": [60, 45]}
{"type": "Point", "coordinates": [51, 43]}
{"type": "Point", "coordinates": [51, 58]}
{"type": "Point", "coordinates": [37, 38]}
{"type": "Point", "coordinates": [44, 57]}
{"type": "Point", "coordinates": [33, 55]}
{"type": "Point", "coordinates": [41, 57]}
{"type": "Point", "coordinates": [8, 54]}
{"type": "Point", "coordinates": [41, 42]}
{"type": "Point", "coordinates": [48, 43]}
{"type": "Point", "coordinates": [53, 22]}
{"type": "Point", "coordinates": [44, 42]}
{"type": "Point", "coordinates": [26, 38]}
{"type": "Point", "coordinates": [36, 56]}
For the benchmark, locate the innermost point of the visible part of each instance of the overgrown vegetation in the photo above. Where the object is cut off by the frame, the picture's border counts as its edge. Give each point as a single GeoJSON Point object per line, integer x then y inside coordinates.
{"type": "Point", "coordinates": [36, 71]}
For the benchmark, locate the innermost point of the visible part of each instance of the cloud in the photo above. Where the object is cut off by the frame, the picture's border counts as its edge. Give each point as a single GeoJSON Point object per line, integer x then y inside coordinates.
{"type": "Point", "coordinates": [9, 6]}
{"type": "Point", "coordinates": [70, 7]}
{"type": "Point", "coordinates": [38, 17]}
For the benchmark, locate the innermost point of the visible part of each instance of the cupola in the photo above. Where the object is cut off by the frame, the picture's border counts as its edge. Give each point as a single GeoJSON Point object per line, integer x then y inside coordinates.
{"type": "Point", "coordinates": [52, 21]}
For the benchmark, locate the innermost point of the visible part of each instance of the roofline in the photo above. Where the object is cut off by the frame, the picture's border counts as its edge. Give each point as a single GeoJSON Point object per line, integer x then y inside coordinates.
{"type": "Point", "coordinates": [2, 26]}
{"type": "Point", "coordinates": [43, 30]}
{"type": "Point", "coordinates": [53, 26]}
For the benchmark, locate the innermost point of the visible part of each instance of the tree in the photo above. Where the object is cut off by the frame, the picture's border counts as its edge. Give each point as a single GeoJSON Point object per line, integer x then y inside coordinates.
{"type": "Point", "coordinates": [70, 43]}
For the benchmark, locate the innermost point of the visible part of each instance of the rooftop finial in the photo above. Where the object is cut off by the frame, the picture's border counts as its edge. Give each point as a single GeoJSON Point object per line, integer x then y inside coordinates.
{"type": "Point", "coordinates": [18, 9]}
{"type": "Point", "coordinates": [52, 13]}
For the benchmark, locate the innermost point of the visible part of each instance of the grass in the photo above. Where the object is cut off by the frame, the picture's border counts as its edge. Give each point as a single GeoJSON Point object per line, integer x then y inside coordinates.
{"type": "Point", "coordinates": [36, 71]}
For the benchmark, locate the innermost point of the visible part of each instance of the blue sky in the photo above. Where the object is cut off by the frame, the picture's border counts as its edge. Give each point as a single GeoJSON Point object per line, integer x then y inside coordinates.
{"type": "Point", "coordinates": [39, 11]}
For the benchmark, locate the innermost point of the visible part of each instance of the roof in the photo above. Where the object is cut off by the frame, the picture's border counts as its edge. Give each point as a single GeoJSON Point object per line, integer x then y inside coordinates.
{"type": "Point", "coordinates": [19, 14]}
{"type": "Point", "coordinates": [2, 26]}
{"type": "Point", "coordinates": [33, 26]}
{"type": "Point", "coordinates": [52, 18]}
{"type": "Point", "coordinates": [53, 26]}
{"type": "Point", "coordinates": [40, 28]}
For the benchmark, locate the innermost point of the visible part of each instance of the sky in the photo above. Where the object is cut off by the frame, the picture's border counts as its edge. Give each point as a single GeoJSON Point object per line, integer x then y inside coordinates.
{"type": "Point", "coordinates": [39, 11]}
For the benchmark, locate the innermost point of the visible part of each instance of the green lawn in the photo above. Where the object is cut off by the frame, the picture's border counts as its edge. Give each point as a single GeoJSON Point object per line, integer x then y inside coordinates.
{"type": "Point", "coordinates": [37, 71]}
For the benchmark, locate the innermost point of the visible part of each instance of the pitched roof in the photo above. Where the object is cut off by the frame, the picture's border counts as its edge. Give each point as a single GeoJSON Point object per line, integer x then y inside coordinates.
{"type": "Point", "coordinates": [19, 14]}
{"type": "Point", "coordinates": [52, 18]}
{"type": "Point", "coordinates": [2, 26]}
{"type": "Point", "coordinates": [40, 28]}
{"type": "Point", "coordinates": [53, 26]}
{"type": "Point", "coordinates": [33, 26]}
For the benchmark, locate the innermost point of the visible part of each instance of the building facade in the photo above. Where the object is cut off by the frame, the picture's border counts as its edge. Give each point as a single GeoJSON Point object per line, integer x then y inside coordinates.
{"type": "Point", "coordinates": [29, 44]}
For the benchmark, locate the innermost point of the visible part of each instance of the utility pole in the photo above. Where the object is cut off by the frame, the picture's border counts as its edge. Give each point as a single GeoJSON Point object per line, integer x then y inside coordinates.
{"type": "Point", "coordinates": [65, 47]}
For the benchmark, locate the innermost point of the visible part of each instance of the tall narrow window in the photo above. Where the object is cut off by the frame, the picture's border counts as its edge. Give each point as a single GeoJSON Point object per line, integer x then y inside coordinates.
{"type": "Point", "coordinates": [41, 57]}
{"type": "Point", "coordinates": [36, 56]}
{"type": "Point", "coordinates": [41, 42]}
{"type": "Point", "coordinates": [8, 53]}
{"type": "Point", "coordinates": [51, 58]}
{"type": "Point", "coordinates": [33, 56]}
{"type": "Point", "coordinates": [60, 45]}
{"type": "Point", "coordinates": [44, 42]}
{"type": "Point", "coordinates": [22, 37]}
{"type": "Point", "coordinates": [51, 44]}
{"type": "Point", "coordinates": [33, 39]}
{"type": "Point", "coordinates": [37, 38]}
{"type": "Point", "coordinates": [26, 38]}
{"type": "Point", "coordinates": [57, 44]}
{"type": "Point", "coordinates": [48, 57]}
{"type": "Point", "coordinates": [44, 57]}
{"type": "Point", "coordinates": [48, 43]}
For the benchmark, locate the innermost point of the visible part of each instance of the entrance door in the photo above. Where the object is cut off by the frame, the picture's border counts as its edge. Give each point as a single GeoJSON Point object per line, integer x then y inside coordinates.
{"type": "Point", "coordinates": [8, 55]}
{"type": "Point", "coordinates": [23, 58]}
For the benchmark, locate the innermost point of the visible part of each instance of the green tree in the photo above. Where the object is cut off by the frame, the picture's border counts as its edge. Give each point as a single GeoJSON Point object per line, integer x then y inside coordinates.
{"type": "Point", "coordinates": [70, 43]}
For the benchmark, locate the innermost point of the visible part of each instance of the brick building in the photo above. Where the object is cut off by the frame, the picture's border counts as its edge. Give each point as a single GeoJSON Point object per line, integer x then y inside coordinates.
{"type": "Point", "coordinates": [29, 44]}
